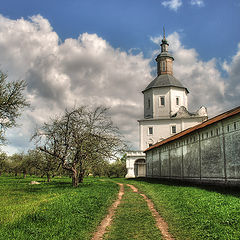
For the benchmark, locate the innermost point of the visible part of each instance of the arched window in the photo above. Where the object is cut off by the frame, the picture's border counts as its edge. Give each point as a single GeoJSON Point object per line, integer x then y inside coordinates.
{"type": "Point", "coordinates": [150, 130]}
{"type": "Point", "coordinates": [177, 101]}
{"type": "Point", "coordinates": [163, 66]}
{"type": "Point", "coordinates": [161, 101]}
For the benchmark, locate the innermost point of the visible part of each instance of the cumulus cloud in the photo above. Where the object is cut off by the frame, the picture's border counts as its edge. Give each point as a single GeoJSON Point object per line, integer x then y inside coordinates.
{"type": "Point", "coordinates": [198, 3]}
{"type": "Point", "coordinates": [172, 4]}
{"type": "Point", "coordinates": [233, 79]}
{"type": "Point", "coordinates": [89, 71]}
{"type": "Point", "coordinates": [83, 71]}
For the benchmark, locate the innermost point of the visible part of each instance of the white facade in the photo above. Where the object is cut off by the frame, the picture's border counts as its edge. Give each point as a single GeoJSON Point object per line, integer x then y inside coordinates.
{"type": "Point", "coordinates": [154, 107]}
{"type": "Point", "coordinates": [162, 129]}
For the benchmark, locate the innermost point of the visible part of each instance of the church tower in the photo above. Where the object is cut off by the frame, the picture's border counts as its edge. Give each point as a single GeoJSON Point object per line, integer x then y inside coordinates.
{"type": "Point", "coordinates": [166, 104]}
{"type": "Point", "coordinates": [165, 111]}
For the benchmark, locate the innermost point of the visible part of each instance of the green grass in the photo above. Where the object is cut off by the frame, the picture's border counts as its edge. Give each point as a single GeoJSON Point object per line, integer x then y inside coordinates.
{"type": "Point", "coordinates": [193, 212]}
{"type": "Point", "coordinates": [133, 220]}
{"type": "Point", "coordinates": [57, 211]}
{"type": "Point", "coordinates": [53, 210]}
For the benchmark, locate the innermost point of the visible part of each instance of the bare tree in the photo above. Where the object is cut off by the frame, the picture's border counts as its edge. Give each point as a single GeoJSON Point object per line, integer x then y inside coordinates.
{"type": "Point", "coordinates": [12, 101]}
{"type": "Point", "coordinates": [43, 162]}
{"type": "Point", "coordinates": [80, 139]}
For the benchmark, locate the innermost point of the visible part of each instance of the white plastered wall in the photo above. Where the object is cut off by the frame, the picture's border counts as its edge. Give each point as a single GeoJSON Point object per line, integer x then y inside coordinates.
{"type": "Point", "coordinates": [162, 129]}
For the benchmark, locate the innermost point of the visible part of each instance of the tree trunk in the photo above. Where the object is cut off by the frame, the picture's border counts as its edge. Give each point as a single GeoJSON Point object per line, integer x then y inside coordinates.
{"type": "Point", "coordinates": [48, 177]}
{"type": "Point", "coordinates": [80, 177]}
{"type": "Point", "coordinates": [74, 178]}
{"type": "Point", "coordinates": [81, 172]}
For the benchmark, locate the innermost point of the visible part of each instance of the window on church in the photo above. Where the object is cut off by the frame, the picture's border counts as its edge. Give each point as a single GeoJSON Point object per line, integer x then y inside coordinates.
{"type": "Point", "coordinates": [161, 101]}
{"type": "Point", "coordinates": [163, 66]}
{"type": "Point", "coordinates": [150, 145]}
{"type": "Point", "coordinates": [173, 129]}
{"type": "Point", "coordinates": [177, 101]}
{"type": "Point", "coordinates": [150, 130]}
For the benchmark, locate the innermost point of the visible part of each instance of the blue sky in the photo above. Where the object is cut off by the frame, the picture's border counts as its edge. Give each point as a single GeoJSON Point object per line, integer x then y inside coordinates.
{"type": "Point", "coordinates": [212, 28]}
{"type": "Point", "coordinates": [102, 51]}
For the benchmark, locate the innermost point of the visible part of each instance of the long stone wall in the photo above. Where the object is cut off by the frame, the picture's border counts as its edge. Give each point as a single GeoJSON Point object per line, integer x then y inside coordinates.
{"type": "Point", "coordinates": [208, 154]}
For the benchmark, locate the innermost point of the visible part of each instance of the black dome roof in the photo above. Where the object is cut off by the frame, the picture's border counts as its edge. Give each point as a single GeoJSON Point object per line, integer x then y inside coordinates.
{"type": "Point", "coordinates": [165, 80]}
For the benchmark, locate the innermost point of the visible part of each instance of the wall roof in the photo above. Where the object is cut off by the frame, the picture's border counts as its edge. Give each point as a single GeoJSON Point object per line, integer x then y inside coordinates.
{"type": "Point", "coordinates": [218, 118]}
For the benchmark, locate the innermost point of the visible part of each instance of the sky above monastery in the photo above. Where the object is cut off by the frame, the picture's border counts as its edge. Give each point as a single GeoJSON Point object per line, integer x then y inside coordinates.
{"type": "Point", "coordinates": [91, 52]}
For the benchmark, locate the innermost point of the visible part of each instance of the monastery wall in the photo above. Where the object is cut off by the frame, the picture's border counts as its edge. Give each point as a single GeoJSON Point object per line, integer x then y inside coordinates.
{"type": "Point", "coordinates": [208, 154]}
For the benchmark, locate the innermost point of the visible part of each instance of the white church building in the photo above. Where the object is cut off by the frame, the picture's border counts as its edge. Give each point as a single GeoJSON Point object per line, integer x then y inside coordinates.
{"type": "Point", "coordinates": [165, 112]}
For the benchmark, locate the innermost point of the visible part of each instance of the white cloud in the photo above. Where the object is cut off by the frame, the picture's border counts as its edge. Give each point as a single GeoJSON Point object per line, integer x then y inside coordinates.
{"type": "Point", "coordinates": [202, 79]}
{"type": "Point", "coordinates": [233, 79]}
{"type": "Point", "coordinates": [156, 40]}
{"type": "Point", "coordinates": [172, 4]}
{"type": "Point", "coordinates": [199, 3]}
{"type": "Point", "coordinates": [87, 70]}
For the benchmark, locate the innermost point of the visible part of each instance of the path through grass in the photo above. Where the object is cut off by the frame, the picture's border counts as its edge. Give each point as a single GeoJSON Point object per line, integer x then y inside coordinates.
{"type": "Point", "coordinates": [133, 220]}
{"type": "Point", "coordinates": [193, 212]}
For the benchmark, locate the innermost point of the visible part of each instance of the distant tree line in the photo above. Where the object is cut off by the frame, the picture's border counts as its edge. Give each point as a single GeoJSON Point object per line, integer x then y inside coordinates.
{"type": "Point", "coordinates": [38, 163]}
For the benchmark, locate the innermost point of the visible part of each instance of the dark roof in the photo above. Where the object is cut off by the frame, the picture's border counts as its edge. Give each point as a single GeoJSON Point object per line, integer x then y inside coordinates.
{"type": "Point", "coordinates": [164, 54]}
{"type": "Point", "coordinates": [164, 80]}
{"type": "Point", "coordinates": [218, 118]}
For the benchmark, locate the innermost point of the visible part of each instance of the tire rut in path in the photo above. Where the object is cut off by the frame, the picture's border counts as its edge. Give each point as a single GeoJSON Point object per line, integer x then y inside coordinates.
{"type": "Point", "coordinates": [160, 223]}
{"type": "Point", "coordinates": [101, 230]}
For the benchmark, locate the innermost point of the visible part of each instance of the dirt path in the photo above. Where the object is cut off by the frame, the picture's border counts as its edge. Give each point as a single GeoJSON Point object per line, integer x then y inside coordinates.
{"type": "Point", "coordinates": [101, 230]}
{"type": "Point", "coordinates": [160, 223]}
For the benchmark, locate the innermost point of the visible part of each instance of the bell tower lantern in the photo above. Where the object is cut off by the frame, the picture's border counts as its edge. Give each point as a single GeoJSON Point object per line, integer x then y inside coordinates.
{"type": "Point", "coordinates": [164, 59]}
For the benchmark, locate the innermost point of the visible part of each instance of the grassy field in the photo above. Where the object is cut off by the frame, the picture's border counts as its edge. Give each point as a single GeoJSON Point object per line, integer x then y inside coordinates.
{"type": "Point", "coordinates": [57, 211]}
{"type": "Point", "coordinates": [52, 210]}
{"type": "Point", "coordinates": [193, 212]}
{"type": "Point", "coordinates": [133, 220]}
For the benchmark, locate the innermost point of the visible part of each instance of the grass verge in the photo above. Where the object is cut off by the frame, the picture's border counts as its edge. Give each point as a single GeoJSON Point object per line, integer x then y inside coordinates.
{"type": "Point", "coordinates": [133, 220]}
{"type": "Point", "coordinates": [53, 210]}
{"type": "Point", "coordinates": [193, 212]}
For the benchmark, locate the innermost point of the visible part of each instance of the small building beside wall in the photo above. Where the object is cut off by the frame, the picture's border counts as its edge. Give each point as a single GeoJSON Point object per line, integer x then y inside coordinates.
{"type": "Point", "coordinates": [135, 164]}
{"type": "Point", "coordinates": [207, 152]}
